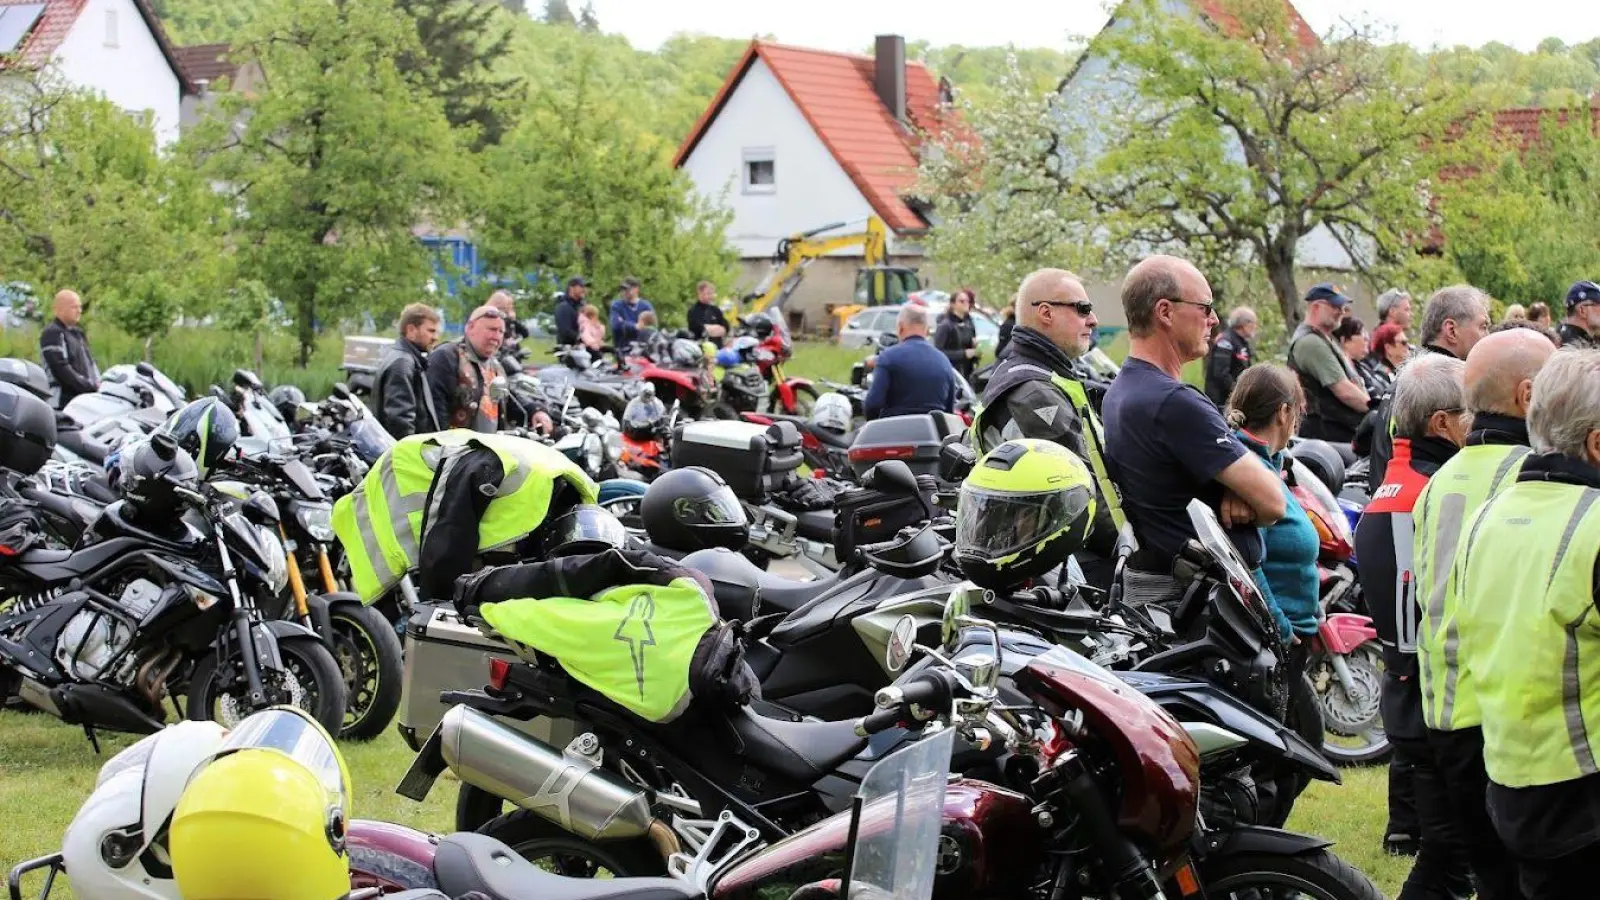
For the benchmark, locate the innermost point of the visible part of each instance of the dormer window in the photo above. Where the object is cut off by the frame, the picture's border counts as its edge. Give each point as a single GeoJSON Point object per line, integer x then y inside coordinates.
{"type": "Point", "coordinates": [760, 171]}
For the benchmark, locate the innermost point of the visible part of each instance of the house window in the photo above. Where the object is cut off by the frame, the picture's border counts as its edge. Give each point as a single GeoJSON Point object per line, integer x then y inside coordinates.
{"type": "Point", "coordinates": [111, 28]}
{"type": "Point", "coordinates": [760, 172]}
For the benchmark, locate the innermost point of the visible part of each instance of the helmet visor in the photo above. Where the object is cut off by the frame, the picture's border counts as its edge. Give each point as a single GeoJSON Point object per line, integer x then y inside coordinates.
{"type": "Point", "coordinates": [643, 412]}
{"type": "Point", "coordinates": [720, 507]}
{"type": "Point", "coordinates": [993, 525]}
{"type": "Point", "coordinates": [296, 736]}
{"type": "Point", "coordinates": [589, 527]}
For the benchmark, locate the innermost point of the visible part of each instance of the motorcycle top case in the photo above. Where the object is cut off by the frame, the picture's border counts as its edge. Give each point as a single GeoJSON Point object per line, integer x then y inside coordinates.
{"type": "Point", "coordinates": [26, 375]}
{"type": "Point", "coordinates": [913, 439]}
{"type": "Point", "coordinates": [27, 430]}
{"type": "Point", "coordinates": [753, 459]}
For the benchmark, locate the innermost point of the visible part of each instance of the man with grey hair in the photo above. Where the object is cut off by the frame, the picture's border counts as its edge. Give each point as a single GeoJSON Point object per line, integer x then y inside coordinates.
{"type": "Point", "coordinates": [1394, 307]}
{"type": "Point", "coordinates": [1430, 426]}
{"type": "Point", "coordinates": [1230, 355]}
{"type": "Point", "coordinates": [913, 376]}
{"type": "Point", "coordinates": [1529, 634]}
{"type": "Point", "coordinates": [1454, 320]}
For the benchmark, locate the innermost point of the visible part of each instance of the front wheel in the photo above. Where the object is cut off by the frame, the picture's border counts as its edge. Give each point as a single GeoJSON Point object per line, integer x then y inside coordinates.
{"type": "Point", "coordinates": [805, 400]}
{"type": "Point", "coordinates": [1315, 875]}
{"type": "Point", "coordinates": [310, 678]}
{"type": "Point", "coordinates": [1352, 716]}
{"type": "Point", "coordinates": [367, 650]}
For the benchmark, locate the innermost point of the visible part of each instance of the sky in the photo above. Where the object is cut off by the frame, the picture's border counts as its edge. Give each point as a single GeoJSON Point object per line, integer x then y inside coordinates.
{"type": "Point", "coordinates": [851, 24]}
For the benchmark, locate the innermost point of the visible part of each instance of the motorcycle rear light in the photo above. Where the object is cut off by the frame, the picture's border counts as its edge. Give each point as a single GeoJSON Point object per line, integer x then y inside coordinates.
{"type": "Point", "coordinates": [7, 550]}
{"type": "Point", "coordinates": [879, 454]}
{"type": "Point", "coordinates": [499, 671]}
{"type": "Point", "coordinates": [1188, 883]}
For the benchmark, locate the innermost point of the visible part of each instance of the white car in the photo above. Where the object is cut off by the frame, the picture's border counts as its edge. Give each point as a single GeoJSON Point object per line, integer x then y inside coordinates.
{"type": "Point", "coordinates": [862, 329]}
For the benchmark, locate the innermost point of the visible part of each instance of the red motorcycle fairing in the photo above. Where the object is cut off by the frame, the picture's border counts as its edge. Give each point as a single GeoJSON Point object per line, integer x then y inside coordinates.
{"type": "Point", "coordinates": [1158, 763]}
{"type": "Point", "coordinates": [1342, 633]}
{"type": "Point", "coordinates": [787, 389]}
{"type": "Point", "coordinates": [389, 857]}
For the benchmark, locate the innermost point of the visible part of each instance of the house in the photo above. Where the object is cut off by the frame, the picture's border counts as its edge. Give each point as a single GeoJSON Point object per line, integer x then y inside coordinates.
{"type": "Point", "coordinates": [207, 65]}
{"type": "Point", "coordinates": [114, 47]}
{"type": "Point", "coordinates": [1092, 92]}
{"type": "Point", "coordinates": [797, 139]}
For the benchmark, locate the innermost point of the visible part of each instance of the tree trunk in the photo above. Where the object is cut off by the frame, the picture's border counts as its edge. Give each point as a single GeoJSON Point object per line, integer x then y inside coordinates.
{"type": "Point", "coordinates": [261, 357]}
{"type": "Point", "coordinates": [1280, 272]}
{"type": "Point", "coordinates": [147, 349]}
{"type": "Point", "coordinates": [306, 330]}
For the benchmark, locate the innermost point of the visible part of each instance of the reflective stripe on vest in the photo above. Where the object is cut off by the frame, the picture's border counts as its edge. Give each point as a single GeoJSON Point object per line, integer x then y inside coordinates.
{"type": "Point", "coordinates": [1530, 633]}
{"type": "Point", "coordinates": [1453, 496]}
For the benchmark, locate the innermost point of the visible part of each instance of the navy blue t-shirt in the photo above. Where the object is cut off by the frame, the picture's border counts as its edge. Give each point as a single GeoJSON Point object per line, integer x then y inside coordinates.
{"type": "Point", "coordinates": [1165, 444]}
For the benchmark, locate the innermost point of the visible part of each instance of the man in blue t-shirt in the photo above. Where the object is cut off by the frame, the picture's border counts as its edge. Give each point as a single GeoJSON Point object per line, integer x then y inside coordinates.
{"type": "Point", "coordinates": [913, 376]}
{"type": "Point", "coordinates": [1166, 443]}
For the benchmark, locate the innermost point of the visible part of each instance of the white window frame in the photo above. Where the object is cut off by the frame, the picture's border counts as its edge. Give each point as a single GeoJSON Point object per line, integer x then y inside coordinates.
{"type": "Point", "coordinates": [112, 37]}
{"type": "Point", "coordinates": [754, 155]}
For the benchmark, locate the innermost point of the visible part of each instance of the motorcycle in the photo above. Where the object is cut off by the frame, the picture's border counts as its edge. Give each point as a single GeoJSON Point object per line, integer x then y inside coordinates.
{"type": "Point", "coordinates": [647, 427]}
{"type": "Point", "coordinates": [133, 400]}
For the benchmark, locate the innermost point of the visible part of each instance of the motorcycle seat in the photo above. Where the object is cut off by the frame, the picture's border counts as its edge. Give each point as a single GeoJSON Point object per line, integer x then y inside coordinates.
{"type": "Point", "coordinates": [467, 862]}
{"type": "Point", "coordinates": [839, 440]}
{"type": "Point", "coordinates": [738, 584]}
{"type": "Point", "coordinates": [83, 445]}
{"type": "Point", "coordinates": [800, 751]}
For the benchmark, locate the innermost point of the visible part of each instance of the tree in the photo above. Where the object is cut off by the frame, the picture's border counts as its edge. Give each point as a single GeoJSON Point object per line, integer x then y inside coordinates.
{"type": "Point", "coordinates": [1230, 139]}
{"type": "Point", "coordinates": [557, 12]}
{"type": "Point", "coordinates": [462, 43]}
{"type": "Point", "coordinates": [340, 157]}
{"type": "Point", "coordinates": [588, 20]}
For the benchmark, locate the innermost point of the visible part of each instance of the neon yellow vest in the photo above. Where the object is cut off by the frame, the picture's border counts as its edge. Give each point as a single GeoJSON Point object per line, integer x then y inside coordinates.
{"type": "Point", "coordinates": [1453, 495]}
{"type": "Point", "coordinates": [1094, 438]}
{"type": "Point", "coordinates": [380, 522]}
{"type": "Point", "coordinates": [633, 643]}
{"type": "Point", "coordinates": [1530, 632]}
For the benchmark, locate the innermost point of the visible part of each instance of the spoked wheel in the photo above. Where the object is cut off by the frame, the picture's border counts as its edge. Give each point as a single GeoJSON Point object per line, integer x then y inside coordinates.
{"type": "Point", "coordinates": [368, 653]}
{"type": "Point", "coordinates": [1316, 875]}
{"type": "Point", "coordinates": [310, 680]}
{"type": "Point", "coordinates": [546, 845]}
{"type": "Point", "coordinates": [1352, 718]}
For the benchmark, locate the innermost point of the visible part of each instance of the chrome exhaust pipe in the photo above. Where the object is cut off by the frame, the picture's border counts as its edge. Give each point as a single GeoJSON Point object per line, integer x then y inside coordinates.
{"type": "Point", "coordinates": [568, 788]}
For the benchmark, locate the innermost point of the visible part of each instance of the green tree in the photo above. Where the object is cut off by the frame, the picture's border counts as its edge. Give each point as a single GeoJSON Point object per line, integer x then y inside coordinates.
{"type": "Point", "coordinates": [558, 12]}
{"type": "Point", "coordinates": [335, 162]}
{"type": "Point", "coordinates": [588, 20]}
{"type": "Point", "coordinates": [462, 44]}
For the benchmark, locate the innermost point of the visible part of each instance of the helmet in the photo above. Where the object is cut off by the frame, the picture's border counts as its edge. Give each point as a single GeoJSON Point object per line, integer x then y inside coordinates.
{"type": "Point", "coordinates": [833, 412]}
{"type": "Point", "coordinates": [206, 429]}
{"type": "Point", "coordinates": [1323, 460]}
{"type": "Point", "coordinates": [287, 398]}
{"type": "Point", "coordinates": [265, 818]}
{"type": "Point", "coordinates": [691, 509]}
{"type": "Point", "coordinates": [685, 352]}
{"type": "Point", "coordinates": [586, 528]}
{"type": "Point", "coordinates": [643, 415]}
{"type": "Point", "coordinates": [147, 473]}
{"type": "Point", "coordinates": [1026, 506]}
{"type": "Point", "coordinates": [728, 357]}
{"type": "Point", "coordinates": [760, 325]}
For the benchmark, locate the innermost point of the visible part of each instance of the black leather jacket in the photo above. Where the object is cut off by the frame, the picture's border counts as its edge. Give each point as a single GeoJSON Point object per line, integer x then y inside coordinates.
{"type": "Point", "coordinates": [64, 349]}
{"type": "Point", "coordinates": [400, 394]}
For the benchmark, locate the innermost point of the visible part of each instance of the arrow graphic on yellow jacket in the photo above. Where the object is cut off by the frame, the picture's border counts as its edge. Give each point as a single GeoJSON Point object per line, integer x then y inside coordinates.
{"type": "Point", "coordinates": [634, 630]}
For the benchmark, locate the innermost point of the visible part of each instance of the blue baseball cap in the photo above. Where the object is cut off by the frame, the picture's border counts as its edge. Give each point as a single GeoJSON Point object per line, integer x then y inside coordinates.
{"type": "Point", "coordinates": [1581, 293]}
{"type": "Point", "coordinates": [1326, 293]}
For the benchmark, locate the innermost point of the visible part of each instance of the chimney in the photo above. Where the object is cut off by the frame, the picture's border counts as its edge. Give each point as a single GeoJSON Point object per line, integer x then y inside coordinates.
{"type": "Point", "coordinates": [889, 73]}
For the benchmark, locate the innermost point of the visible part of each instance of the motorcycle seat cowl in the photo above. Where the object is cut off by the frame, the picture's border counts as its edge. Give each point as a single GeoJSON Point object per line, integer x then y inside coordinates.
{"type": "Point", "coordinates": [839, 440]}
{"type": "Point", "coordinates": [737, 580]}
{"type": "Point", "coordinates": [468, 862]}
{"type": "Point", "coordinates": [801, 751]}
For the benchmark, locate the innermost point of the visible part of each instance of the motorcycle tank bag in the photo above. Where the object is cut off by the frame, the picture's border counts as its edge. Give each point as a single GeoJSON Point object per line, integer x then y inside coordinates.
{"type": "Point", "coordinates": [27, 430]}
{"type": "Point", "coordinates": [914, 439]}
{"type": "Point", "coordinates": [753, 459]}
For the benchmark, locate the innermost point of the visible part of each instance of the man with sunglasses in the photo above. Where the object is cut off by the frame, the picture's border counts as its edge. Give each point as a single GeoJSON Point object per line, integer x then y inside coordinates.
{"type": "Point", "coordinates": [1037, 391]}
{"type": "Point", "coordinates": [1335, 395]}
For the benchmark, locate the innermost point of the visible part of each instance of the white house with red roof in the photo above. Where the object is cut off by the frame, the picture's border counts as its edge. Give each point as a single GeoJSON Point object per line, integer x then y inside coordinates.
{"type": "Point", "coordinates": [797, 139]}
{"type": "Point", "coordinates": [114, 47]}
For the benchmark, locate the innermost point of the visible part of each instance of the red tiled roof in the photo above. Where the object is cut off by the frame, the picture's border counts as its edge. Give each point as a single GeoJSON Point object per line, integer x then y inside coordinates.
{"type": "Point", "coordinates": [835, 94]}
{"type": "Point", "coordinates": [1227, 23]}
{"type": "Point", "coordinates": [57, 20]}
{"type": "Point", "coordinates": [205, 62]}
{"type": "Point", "coordinates": [1524, 123]}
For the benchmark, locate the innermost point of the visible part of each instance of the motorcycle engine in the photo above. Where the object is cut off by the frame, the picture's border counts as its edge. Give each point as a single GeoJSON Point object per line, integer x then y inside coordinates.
{"type": "Point", "coordinates": [92, 639]}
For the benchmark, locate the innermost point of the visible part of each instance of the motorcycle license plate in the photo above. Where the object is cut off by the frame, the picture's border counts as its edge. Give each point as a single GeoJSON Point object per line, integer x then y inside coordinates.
{"type": "Point", "coordinates": [425, 769]}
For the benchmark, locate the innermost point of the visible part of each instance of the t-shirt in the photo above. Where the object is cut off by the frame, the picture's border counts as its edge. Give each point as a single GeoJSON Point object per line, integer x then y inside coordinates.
{"type": "Point", "coordinates": [1165, 444]}
{"type": "Point", "coordinates": [1319, 357]}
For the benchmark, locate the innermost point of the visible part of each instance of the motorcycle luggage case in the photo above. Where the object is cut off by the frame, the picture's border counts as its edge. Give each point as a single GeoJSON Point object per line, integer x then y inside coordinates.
{"type": "Point", "coordinates": [27, 430]}
{"type": "Point", "coordinates": [914, 439]}
{"type": "Point", "coordinates": [753, 459]}
{"type": "Point", "coordinates": [26, 375]}
{"type": "Point", "coordinates": [444, 653]}
{"type": "Point", "coordinates": [878, 515]}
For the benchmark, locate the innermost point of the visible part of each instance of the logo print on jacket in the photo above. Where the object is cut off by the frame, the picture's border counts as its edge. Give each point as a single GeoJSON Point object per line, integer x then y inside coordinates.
{"type": "Point", "coordinates": [634, 630]}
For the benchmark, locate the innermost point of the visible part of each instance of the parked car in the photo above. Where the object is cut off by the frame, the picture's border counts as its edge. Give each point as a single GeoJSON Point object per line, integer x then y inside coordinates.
{"type": "Point", "coordinates": [863, 328]}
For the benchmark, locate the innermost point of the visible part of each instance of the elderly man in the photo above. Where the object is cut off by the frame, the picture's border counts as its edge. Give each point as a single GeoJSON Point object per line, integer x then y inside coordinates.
{"type": "Point", "coordinates": [515, 332]}
{"type": "Point", "coordinates": [1166, 444]}
{"type": "Point", "coordinates": [459, 373]}
{"type": "Point", "coordinates": [1529, 636]}
{"type": "Point", "coordinates": [1336, 399]}
{"type": "Point", "coordinates": [1500, 372]}
{"type": "Point", "coordinates": [1455, 319]}
{"type": "Point", "coordinates": [400, 394]}
{"type": "Point", "coordinates": [64, 349]}
{"type": "Point", "coordinates": [1035, 392]}
{"type": "Point", "coordinates": [1230, 355]}
{"type": "Point", "coordinates": [1430, 426]}
{"type": "Point", "coordinates": [1394, 307]}
{"type": "Point", "coordinates": [1581, 327]}
{"type": "Point", "coordinates": [912, 376]}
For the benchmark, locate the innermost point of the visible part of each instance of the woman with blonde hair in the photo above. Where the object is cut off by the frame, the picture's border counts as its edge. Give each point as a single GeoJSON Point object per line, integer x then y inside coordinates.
{"type": "Point", "coordinates": [591, 333]}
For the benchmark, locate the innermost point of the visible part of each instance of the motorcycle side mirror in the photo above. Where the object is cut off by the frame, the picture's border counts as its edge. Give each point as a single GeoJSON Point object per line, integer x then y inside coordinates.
{"type": "Point", "coordinates": [901, 639]}
{"type": "Point", "coordinates": [341, 390]}
{"type": "Point", "coordinates": [892, 476]}
{"type": "Point", "coordinates": [165, 445]}
{"type": "Point", "coordinates": [956, 460]}
{"type": "Point", "coordinates": [956, 607]}
{"type": "Point", "coordinates": [887, 339]}
{"type": "Point", "coordinates": [499, 388]}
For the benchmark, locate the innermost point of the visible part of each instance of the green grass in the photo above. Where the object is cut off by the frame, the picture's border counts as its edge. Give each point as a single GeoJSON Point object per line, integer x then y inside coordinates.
{"type": "Point", "coordinates": [47, 770]}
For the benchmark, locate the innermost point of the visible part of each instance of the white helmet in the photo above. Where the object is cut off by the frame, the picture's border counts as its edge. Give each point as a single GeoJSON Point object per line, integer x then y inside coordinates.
{"type": "Point", "coordinates": [123, 823]}
{"type": "Point", "coordinates": [832, 411]}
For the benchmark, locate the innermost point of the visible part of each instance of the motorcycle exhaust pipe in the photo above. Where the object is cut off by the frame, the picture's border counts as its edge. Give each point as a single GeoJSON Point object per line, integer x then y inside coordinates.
{"type": "Point", "coordinates": [98, 706]}
{"type": "Point", "coordinates": [567, 788]}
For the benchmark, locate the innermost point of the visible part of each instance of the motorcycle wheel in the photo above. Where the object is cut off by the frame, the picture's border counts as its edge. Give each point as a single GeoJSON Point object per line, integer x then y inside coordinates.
{"type": "Point", "coordinates": [318, 686]}
{"type": "Point", "coordinates": [1353, 734]}
{"type": "Point", "coordinates": [1316, 875]}
{"type": "Point", "coordinates": [544, 843]}
{"type": "Point", "coordinates": [805, 400]}
{"type": "Point", "coordinates": [368, 653]}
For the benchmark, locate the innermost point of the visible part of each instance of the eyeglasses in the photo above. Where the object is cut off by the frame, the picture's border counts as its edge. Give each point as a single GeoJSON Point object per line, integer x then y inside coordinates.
{"type": "Point", "coordinates": [1210, 308]}
{"type": "Point", "coordinates": [1081, 307]}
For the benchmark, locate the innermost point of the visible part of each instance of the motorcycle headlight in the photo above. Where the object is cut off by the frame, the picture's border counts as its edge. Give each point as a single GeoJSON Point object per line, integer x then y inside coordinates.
{"type": "Point", "coordinates": [613, 442]}
{"type": "Point", "coordinates": [316, 519]}
{"type": "Point", "coordinates": [277, 559]}
{"type": "Point", "coordinates": [594, 453]}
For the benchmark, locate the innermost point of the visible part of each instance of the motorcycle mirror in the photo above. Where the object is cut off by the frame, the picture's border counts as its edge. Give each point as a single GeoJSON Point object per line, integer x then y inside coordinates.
{"type": "Point", "coordinates": [956, 460]}
{"type": "Point", "coordinates": [892, 476]}
{"type": "Point", "coordinates": [956, 608]}
{"type": "Point", "coordinates": [341, 390]}
{"type": "Point", "coordinates": [499, 388]}
{"type": "Point", "coordinates": [901, 639]}
{"type": "Point", "coordinates": [887, 339]}
{"type": "Point", "coordinates": [165, 445]}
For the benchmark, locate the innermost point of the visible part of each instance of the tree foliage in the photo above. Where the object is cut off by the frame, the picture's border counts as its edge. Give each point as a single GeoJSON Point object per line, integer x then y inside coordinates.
{"type": "Point", "coordinates": [462, 43]}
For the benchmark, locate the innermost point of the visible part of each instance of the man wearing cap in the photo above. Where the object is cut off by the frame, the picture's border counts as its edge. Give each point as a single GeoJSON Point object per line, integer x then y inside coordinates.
{"type": "Point", "coordinates": [567, 306]}
{"type": "Point", "coordinates": [459, 373]}
{"type": "Point", "coordinates": [625, 311]}
{"type": "Point", "coordinates": [1336, 402]}
{"type": "Point", "coordinates": [1583, 316]}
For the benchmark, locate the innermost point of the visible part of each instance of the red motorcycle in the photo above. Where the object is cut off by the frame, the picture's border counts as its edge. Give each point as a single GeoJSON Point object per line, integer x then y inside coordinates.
{"type": "Point", "coordinates": [790, 395]}
{"type": "Point", "coordinates": [683, 377]}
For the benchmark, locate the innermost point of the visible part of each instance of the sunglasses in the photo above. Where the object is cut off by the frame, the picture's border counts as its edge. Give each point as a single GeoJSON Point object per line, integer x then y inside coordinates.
{"type": "Point", "coordinates": [1210, 308]}
{"type": "Point", "coordinates": [1081, 307]}
{"type": "Point", "coordinates": [486, 314]}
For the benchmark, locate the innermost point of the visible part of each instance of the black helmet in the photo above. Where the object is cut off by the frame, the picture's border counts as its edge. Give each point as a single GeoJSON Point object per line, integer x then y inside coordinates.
{"type": "Point", "coordinates": [148, 472]}
{"type": "Point", "coordinates": [691, 509]}
{"type": "Point", "coordinates": [760, 325]}
{"type": "Point", "coordinates": [206, 429]}
{"type": "Point", "coordinates": [287, 398]}
{"type": "Point", "coordinates": [644, 416]}
{"type": "Point", "coordinates": [1323, 460]}
{"type": "Point", "coordinates": [585, 528]}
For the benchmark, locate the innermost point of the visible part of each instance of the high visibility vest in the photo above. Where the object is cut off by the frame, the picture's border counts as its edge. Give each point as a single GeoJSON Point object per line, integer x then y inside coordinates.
{"type": "Point", "coordinates": [1454, 494]}
{"type": "Point", "coordinates": [1530, 632]}
{"type": "Point", "coordinates": [380, 522]}
{"type": "Point", "coordinates": [1094, 438]}
{"type": "Point", "coordinates": [633, 643]}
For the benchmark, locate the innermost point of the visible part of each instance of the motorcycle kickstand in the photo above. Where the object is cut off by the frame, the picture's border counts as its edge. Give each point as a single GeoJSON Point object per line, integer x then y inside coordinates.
{"type": "Point", "coordinates": [94, 739]}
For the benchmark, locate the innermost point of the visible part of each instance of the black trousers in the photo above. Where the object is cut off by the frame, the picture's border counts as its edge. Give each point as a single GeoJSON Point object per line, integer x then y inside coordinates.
{"type": "Point", "coordinates": [1460, 759]}
{"type": "Point", "coordinates": [1440, 869]}
{"type": "Point", "coordinates": [1564, 877]}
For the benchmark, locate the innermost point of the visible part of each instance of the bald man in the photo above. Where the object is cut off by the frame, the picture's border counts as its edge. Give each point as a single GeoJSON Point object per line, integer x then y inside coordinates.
{"type": "Point", "coordinates": [64, 349]}
{"type": "Point", "coordinates": [1037, 391]}
{"type": "Point", "coordinates": [1499, 390]}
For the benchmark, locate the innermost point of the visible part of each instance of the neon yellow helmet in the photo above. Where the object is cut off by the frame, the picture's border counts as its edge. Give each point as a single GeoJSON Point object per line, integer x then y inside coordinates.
{"type": "Point", "coordinates": [266, 817]}
{"type": "Point", "coordinates": [1027, 505]}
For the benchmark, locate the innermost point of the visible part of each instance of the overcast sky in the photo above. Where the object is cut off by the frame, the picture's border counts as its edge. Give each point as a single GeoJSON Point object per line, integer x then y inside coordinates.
{"type": "Point", "coordinates": [850, 24]}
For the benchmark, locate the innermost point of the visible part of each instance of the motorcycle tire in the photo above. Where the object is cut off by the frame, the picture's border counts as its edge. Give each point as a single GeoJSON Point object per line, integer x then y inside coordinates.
{"type": "Point", "coordinates": [541, 841]}
{"type": "Point", "coordinates": [367, 650]}
{"type": "Point", "coordinates": [476, 807]}
{"type": "Point", "coordinates": [805, 400]}
{"type": "Point", "coordinates": [1366, 661]}
{"type": "Point", "coordinates": [302, 652]}
{"type": "Point", "coordinates": [1316, 875]}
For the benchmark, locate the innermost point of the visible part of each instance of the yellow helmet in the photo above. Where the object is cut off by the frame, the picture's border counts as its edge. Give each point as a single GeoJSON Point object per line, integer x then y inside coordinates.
{"type": "Point", "coordinates": [265, 818]}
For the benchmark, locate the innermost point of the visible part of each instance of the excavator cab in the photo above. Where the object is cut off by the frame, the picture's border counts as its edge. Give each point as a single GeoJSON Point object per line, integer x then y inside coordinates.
{"type": "Point", "coordinates": [885, 285]}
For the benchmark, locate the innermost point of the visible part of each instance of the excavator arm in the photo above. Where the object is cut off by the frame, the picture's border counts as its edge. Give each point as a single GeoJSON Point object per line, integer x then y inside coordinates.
{"type": "Point", "coordinates": [800, 250]}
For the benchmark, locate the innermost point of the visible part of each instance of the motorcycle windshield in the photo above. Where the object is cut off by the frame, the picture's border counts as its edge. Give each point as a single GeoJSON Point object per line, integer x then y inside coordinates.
{"type": "Point", "coordinates": [1217, 545]}
{"type": "Point", "coordinates": [897, 816]}
{"type": "Point", "coordinates": [369, 438]}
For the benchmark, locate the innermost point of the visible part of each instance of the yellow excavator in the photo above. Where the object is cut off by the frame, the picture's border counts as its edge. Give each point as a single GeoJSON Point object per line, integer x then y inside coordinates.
{"type": "Point", "coordinates": [876, 283]}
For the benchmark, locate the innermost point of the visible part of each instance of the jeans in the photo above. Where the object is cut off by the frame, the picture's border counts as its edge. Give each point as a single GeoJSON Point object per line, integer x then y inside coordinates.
{"type": "Point", "coordinates": [1561, 878]}
{"type": "Point", "coordinates": [1460, 758]}
{"type": "Point", "coordinates": [1440, 869]}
